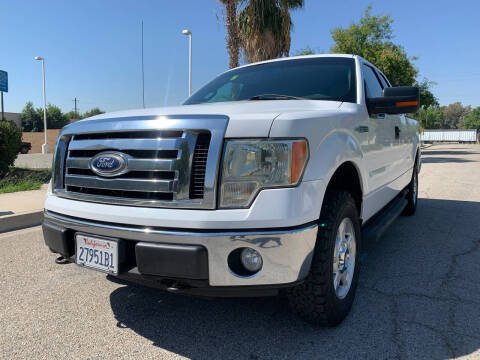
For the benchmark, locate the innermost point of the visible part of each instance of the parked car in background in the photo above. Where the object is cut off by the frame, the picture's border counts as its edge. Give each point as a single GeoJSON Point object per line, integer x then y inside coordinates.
{"type": "Point", "coordinates": [267, 179]}
{"type": "Point", "coordinates": [25, 147]}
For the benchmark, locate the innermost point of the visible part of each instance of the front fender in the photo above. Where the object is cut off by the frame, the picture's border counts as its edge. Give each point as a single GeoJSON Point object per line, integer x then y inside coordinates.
{"type": "Point", "coordinates": [330, 141]}
{"type": "Point", "coordinates": [335, 149]}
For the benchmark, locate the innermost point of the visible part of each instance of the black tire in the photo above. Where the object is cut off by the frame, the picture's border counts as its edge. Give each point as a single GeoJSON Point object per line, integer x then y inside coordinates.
{"type": "Point", "coordinates": [315, 300]}
{"type": "Point", "coordinates": [24, 150]}
{"type": "Point", "coordinates": [412, 196]}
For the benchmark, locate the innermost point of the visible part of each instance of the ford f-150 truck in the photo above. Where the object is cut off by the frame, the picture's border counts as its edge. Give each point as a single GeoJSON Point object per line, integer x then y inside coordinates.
{"type": "Point", "coordinates": [266, 180]}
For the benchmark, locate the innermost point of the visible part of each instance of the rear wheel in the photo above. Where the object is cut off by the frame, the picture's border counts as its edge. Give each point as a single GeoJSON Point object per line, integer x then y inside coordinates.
{"type": "Point", "coordinates": [326, 295]}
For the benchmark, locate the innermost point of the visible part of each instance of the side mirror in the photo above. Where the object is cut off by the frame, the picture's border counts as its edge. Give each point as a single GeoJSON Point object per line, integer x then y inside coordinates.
{"type": "Point", "coordinates": [395, 100]}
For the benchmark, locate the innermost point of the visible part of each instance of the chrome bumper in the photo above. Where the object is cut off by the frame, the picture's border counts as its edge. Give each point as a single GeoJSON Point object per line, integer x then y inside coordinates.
{"type": "Point", "coordinates": [286, 253]}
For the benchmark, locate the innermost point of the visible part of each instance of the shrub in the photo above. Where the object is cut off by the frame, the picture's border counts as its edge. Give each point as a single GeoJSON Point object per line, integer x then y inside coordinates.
{"type": "Point", "coordinates": [10, 140]}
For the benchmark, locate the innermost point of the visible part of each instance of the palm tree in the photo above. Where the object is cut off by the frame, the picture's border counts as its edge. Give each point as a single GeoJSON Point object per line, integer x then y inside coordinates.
{"type": "Point", "coordinates": [265, 26]}
{"type": "Point", "coordinates": [233, 39]}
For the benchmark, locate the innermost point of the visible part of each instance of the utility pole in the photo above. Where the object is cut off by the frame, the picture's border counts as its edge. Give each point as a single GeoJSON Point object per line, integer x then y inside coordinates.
{"type": "Point", "coordinates": [3, 114]}
{"type": "Point", "coordinates": [143, 74]}
{"type": "Point", "coordinates": [76, 113]}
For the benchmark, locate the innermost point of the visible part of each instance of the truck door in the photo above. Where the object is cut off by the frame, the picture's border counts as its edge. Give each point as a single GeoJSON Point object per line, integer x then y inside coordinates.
{"type": "Point", "coordinates": [403, 138]}
{"type": "Point", "coordinates": [379, 152]}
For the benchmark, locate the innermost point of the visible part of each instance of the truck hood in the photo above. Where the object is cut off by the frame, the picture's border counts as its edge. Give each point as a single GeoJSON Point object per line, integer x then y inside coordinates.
{"type": "Point", "coordinates": [246, 118]}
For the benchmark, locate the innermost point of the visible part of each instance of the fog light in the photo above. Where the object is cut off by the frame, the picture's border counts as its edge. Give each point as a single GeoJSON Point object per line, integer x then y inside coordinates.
{"type": "Point", "coordinates": [251, 260]}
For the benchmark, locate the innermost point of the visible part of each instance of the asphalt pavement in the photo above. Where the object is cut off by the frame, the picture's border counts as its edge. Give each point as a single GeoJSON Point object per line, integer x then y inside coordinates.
{"type": "Point", "coordinates": [418, 297]}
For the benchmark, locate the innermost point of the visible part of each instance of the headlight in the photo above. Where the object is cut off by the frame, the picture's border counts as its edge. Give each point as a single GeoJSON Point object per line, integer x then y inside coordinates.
{"type": "Point", "coordinates": [252, 165]}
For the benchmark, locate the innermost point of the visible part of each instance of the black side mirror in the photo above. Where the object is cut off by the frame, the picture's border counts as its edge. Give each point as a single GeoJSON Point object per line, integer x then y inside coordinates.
{"type": "Point", "coordinates": [395, 100]}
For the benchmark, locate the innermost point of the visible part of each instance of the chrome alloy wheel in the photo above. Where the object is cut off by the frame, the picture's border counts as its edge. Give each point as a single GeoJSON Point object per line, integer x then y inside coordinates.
{"type": "Point", "coordinates": [344, 258]}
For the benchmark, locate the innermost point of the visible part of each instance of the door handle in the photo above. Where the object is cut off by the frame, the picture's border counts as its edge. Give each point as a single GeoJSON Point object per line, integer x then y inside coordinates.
{"type": "Point", "coordinates": [397, 132]}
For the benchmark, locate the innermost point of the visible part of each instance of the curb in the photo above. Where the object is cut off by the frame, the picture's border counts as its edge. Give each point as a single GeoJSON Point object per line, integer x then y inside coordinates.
{"type": "Point", "coordinates": [21, 221]}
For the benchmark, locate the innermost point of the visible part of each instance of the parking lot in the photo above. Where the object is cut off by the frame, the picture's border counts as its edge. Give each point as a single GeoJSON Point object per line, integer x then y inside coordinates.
{"type": "Point", "coordinates": [418, 297]}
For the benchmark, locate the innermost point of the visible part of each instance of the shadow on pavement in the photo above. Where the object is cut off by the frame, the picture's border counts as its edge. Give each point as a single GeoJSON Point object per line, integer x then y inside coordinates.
{"type": "Point", "coordinates": [418, 297]}
{"type": "Point", "coordinates": [441, 156]}
{"type": "Point", "coordinates": [435, 160]}
{"type": "Point", "coordinates": [449, 152]}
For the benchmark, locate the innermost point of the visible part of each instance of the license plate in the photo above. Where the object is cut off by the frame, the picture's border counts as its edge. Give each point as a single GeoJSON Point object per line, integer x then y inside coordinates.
{"type": "Point", "coordinates": [97, 253]}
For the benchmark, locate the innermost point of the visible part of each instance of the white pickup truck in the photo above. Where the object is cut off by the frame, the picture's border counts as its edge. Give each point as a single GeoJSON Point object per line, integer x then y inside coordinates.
{"type": "Point", "coordinates": [266, 179]}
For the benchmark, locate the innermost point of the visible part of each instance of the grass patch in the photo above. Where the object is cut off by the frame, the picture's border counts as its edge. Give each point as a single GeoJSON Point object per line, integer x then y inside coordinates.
{"type": "Point", "coordinates": [21, 179]}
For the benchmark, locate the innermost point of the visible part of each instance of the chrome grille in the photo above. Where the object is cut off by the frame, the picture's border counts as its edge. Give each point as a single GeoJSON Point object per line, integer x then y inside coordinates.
{"type": "Point", "coordinates": [158, 167]}
{"type": "Point", "coordinates": [170, 161]}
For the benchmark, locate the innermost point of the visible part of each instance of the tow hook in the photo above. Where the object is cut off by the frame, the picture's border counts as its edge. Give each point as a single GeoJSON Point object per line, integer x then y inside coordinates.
{"type": "Point", "coordinates": [61, 260]}
{"type": "Point", "coordinates": [175, 287]}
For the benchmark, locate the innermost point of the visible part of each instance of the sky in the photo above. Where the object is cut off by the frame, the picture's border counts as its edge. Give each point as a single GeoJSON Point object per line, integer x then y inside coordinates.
{"type": "Point", "coordinates": [92, 48]}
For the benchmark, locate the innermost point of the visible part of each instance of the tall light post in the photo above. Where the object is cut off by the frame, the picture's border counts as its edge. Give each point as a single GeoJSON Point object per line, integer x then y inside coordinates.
{"type": "Point", "coordinates": [189, 34]}
{"type": "Point", "coordinates": [45, 145]}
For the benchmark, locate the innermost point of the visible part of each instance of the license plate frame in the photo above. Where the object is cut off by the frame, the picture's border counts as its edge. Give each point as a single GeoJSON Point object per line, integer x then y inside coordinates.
{"type": "Point", "coordinates": [100, 246]}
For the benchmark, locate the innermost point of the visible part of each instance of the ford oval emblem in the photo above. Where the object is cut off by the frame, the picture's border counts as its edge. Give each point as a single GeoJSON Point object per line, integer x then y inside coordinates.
{"type": "Point", "coordinates": [109, 164]}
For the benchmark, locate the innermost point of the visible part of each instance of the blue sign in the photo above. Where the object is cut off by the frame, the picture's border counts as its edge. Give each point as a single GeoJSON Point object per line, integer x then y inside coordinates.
{"type": "Point", "coordinates": [3, 81]}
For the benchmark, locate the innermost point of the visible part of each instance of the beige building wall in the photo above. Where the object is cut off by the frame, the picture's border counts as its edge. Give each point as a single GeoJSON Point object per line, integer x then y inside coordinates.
{"type": "Point", "coordinates": [37, 139]}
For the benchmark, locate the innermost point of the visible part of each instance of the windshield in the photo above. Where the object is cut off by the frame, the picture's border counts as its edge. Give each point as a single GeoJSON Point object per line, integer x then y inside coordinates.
{"type": "Point", "coordinates": [329, 78]}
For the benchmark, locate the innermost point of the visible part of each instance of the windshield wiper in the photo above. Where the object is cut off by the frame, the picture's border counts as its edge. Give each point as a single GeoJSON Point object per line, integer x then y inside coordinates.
{"type": "Point", "coordinates": [275, 97]}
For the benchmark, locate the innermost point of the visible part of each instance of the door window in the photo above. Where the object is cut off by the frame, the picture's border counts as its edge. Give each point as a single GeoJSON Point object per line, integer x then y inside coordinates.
{"type": "Point", "coordinates": [372, 85]}
{"type": "Point", "coordinates": [383, 79]}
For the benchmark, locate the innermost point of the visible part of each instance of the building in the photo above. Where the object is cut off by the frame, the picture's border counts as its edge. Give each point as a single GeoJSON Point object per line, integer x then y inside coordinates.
{"type": "Point", "coordinates": [15, 117]}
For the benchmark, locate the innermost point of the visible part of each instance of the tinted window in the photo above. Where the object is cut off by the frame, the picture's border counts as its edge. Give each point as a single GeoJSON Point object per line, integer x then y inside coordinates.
{"type": "Point", "coordinates": [373, 87]}
{"type": "Point", "coordinates": [315, 78]}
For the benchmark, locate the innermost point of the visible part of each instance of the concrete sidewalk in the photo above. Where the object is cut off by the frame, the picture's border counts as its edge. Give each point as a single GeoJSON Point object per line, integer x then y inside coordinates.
{"type": "Point", "coordinates": [22, 209]}
{"type": "Point", "coordinates": [34, 161]}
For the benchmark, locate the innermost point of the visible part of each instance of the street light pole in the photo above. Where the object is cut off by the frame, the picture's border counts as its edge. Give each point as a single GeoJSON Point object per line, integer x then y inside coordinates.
{"type": "Point", "coordinates": [189, 33]}
{"type": "Point", "coordinates": [45, 145]}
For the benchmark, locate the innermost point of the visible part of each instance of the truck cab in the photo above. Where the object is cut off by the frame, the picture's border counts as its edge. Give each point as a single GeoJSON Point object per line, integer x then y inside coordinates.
{"type": "Point", "coordinates": [263, 181]}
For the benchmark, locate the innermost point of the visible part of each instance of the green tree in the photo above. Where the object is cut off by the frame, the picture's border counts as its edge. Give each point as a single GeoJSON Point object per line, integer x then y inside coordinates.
{"type": "Point", "coordinates": [371, 38]}
{"type": "Point", "coordinates": [265, 27]}
{"type": "Point", "coordinates": [455, 114]}
{"type": "Point", "coordinates": [31, 120]}
{"type": "Point", "coordinates": [472, 119]}
{"type": "Point", "coordinates": [92, 112]}
{"type": "Point", "coordinates": [430, 117]}
{"type": "Point", "coordinates": [72, 115]}
{"type": "Point", "coordinates": [305, 51]}
{"type": "Point", "coordinates": [233, 37]}
{"type": "Point", "coordinates": [427, 99]}
{"type": "Point", "coordinates": [55, 118]}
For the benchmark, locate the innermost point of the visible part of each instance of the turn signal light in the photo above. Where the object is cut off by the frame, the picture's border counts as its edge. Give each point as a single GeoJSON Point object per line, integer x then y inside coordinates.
{"type": "Point", "coordinates": [299, 157]}
{"type": "Point", "coordinates": [406, 103]}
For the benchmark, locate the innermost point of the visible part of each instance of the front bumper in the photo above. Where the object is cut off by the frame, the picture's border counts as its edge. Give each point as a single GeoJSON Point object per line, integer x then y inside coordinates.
{"type": "Point", "coordinates": [286, 253]}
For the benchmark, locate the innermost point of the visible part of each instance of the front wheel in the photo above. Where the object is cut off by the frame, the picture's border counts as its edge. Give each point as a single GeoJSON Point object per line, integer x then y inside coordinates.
{"type": "Point", "coordinates": [326, 296]}
{"type": "Point", "coordinates": [412, 196]}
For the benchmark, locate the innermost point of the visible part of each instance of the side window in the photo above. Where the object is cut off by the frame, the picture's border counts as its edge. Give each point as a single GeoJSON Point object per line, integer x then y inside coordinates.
{"type": "Point", "coordinates": [373, 87]}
